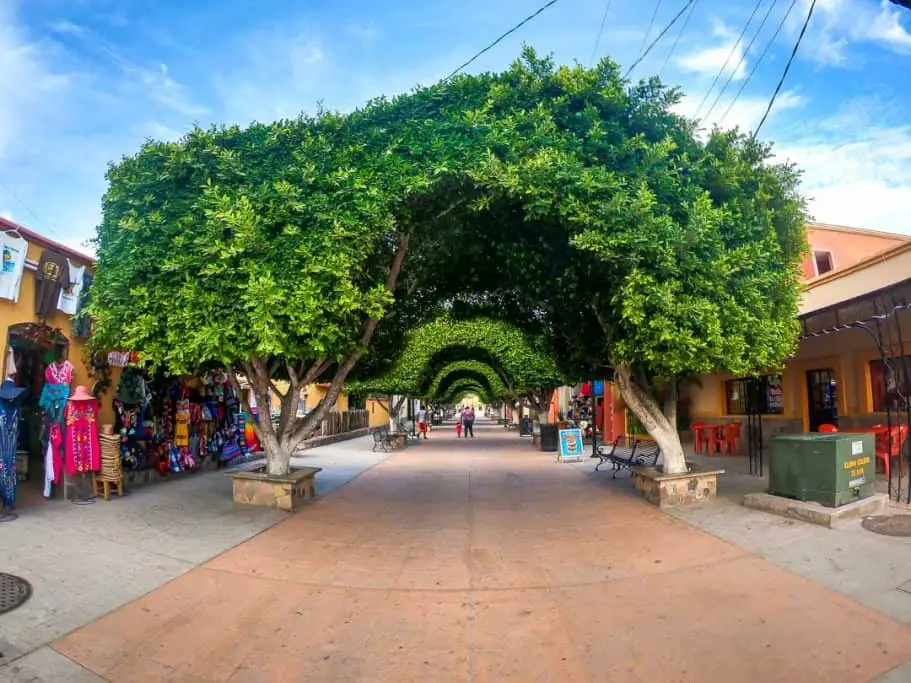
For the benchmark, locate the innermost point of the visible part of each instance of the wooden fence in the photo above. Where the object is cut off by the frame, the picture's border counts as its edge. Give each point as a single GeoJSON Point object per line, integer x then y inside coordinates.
{"type": "Point", "coordinates": [340, 423]}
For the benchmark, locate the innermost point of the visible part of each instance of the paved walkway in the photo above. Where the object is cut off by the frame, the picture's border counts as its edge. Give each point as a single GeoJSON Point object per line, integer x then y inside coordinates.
{"type": "Point", "coordinates": [84, 562]}
{"type": "Point", "coordinates": [486, 561]}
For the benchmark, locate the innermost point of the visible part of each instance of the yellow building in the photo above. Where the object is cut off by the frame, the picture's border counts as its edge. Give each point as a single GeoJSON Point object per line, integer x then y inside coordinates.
{"type": "Point", "coordinates": [852, 319]}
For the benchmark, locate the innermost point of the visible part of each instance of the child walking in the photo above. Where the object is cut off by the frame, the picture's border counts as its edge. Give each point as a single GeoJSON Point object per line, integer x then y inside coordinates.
{"type": "Point", "coordinates": [459, 428]}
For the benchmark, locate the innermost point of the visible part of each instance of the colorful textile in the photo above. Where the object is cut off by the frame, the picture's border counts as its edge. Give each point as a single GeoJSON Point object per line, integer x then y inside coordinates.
{"type": "Point", "coordinates": [59, 373]}
{"type": "Point", "coordinates": [83, 452]}
{"type": "Point", "coordinates": [9, 437]}
{"type": "Point", "coordinates": [53, 400]}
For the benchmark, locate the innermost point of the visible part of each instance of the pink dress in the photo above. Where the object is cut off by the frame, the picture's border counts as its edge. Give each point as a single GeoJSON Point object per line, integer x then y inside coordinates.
{"type": "Point", "coordinates": [83, 453]}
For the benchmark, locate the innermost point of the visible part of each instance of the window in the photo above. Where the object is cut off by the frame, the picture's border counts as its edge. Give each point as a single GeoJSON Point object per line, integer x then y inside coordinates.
{"type": "Point", "coordinates": [823, 261]}
{"type": "Point", "coordinates": [890, 385]}
{"type": "Point", "coordinates": [763, 394]}
{"type": "Point", "coordinates": [357, 402]}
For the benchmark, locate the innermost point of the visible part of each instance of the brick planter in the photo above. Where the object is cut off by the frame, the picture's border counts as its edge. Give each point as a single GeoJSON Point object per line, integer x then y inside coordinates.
{"type": "Point", "coordinates": [252, 486]}
{"type": "Point", "coordinates": [674, 490]}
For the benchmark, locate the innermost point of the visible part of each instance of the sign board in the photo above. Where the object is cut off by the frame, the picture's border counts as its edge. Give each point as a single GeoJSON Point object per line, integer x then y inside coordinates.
{"type": "Point", "coordinates": [857, 448]}
{"type": "Point", "coordinates": [571, 448]}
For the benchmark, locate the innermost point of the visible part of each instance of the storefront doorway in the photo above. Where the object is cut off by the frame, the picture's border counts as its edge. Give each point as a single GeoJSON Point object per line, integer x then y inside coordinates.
{"type": "Point", "coordinates": [822, 398]}
{"type": "Point", "coordinates": [30, 348]}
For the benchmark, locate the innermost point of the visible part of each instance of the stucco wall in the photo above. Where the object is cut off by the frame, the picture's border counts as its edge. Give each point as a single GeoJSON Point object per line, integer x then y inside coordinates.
{"type": "Point", "coordinates": [846, 246]}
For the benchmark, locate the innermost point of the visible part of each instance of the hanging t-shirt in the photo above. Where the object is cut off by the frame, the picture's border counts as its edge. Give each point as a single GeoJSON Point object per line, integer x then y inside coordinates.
{"type": "Point", "coordinates": [14, 250]}
{"type": "Point", "coordinates": [68, 301]}
{"type": "Point", "coordinates": [52, 273]}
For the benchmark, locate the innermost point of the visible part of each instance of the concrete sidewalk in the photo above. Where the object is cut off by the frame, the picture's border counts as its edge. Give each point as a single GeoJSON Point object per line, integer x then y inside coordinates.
{"type": "Point", "coordinates": [84, 561]}
{"type": "Point", "coordinates": [486, 561]}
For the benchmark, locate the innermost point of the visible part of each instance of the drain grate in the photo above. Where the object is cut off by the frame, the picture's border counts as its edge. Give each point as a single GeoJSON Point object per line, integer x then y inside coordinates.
{"type": "Point", "coordinates": [888, 525]}
{"type": "Point", "coordinates": [14, 591]}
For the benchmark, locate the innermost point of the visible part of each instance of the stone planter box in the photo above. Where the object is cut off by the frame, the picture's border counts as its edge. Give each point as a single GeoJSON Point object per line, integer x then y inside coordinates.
{"type": "Point", "coordinates": [252, 486]}
{"type": "Point", "coordinates": [398, 441]}
{"type": "Point", "coordinates": [674, 490]}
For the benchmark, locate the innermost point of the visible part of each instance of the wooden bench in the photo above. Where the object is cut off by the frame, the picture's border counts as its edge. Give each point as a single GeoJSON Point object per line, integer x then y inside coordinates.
{"type": "Point", "coordinates": [381, 440]}
{"type": "Point", "coordinates": [626, 453]}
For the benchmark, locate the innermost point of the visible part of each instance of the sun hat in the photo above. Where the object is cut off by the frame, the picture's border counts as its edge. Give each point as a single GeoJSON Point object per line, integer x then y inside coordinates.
{"type": "Point", "coordinates": [81, 394]}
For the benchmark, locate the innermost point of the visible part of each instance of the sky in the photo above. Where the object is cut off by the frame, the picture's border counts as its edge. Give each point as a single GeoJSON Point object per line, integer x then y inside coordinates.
{"type": "Point", "coordinates": [85, 82]}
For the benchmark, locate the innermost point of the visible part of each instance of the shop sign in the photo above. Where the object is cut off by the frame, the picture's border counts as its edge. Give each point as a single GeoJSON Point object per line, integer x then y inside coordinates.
{"type": "Point", "coordinates": [571, 445]}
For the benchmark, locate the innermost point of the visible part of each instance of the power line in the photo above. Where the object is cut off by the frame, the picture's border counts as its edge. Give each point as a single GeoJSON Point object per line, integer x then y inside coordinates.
{"type": "Point", "coordinates": [498, 40]}
{"type": "Point", "coordinates": [787, 68]}
{"type": "Point", "coordinates": [726, 61]}
{"type": "Point", "coordinates": [679, 35]}
{"type": "Point", "coordinates": [591, 60]}
{"type": "Point", "coordinates": [659, 37]}
{"type": "Point", "coordinates": [740, 61]}
{"type": "Point", "coordinates": [28, 208]}
{"type": "Point", "coordinates": [758, 62]}
{"type": "Point", "coordinates": [648, 31]}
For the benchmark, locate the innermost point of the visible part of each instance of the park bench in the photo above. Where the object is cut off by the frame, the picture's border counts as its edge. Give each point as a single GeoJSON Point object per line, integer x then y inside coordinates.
{"type": "Point", "coordinates": [625, 453]}
{"type": "Point", "coordinates": [381, 440]}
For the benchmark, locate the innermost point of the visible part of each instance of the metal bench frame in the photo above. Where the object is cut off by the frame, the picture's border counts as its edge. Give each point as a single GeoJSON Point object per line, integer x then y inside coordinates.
{"type": "Point", "coordinates": [381, 440]}
{"type": "Point", "coordinates": [626, 453]}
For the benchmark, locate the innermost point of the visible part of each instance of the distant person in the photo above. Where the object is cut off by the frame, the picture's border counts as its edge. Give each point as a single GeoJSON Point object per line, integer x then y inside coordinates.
{"type": "Point", "coordinates": [459, 428]}
{"type": "Point", "coordinates": [468, 422]}
{"type": "Point", "coordinates": [422, 422]}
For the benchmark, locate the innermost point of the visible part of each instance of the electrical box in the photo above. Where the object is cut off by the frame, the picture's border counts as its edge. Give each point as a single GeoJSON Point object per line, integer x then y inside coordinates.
{"type": "Point", "coordinates": [832, 469]}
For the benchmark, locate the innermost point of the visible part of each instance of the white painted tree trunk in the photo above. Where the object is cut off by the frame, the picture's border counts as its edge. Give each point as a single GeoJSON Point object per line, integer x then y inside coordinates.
{"type": "Point", "coordinates": [660, 426]}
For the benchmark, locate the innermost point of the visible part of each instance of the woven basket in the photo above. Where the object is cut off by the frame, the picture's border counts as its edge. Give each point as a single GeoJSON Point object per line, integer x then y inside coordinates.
{"type": "Point", "coordinates": [110, 458]}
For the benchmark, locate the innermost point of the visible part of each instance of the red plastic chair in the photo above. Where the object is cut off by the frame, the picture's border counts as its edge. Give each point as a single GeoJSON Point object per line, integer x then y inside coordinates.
{"type": "Point", "coordinates": [827, 428]}
{"type": "Point", "coordinates": [730, 435]}
{"type": "Point", "coordinates": [884, 453]}
{"type": "Point", "coordinates": [715, 439]}
{"type": "Point", "coordinates": [700, 439]}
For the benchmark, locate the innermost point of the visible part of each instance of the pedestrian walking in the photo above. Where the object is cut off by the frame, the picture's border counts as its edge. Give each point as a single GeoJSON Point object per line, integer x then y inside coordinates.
{"type": "Point", "coordinates": [468, 422]}
{"type": "Point", "coordinates": [459, 428]}
{"type": "Point", "coordinates": [422, 422]}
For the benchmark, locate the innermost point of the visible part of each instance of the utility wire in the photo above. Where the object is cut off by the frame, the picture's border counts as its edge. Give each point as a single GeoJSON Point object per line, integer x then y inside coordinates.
{"type": "Point", "coordinates": [29, 209]}
{"type": "Point", "coordinates": [591, 60]}
{"type": "Point", "coordinates": [498, 40]}
{"type": "Point", "coordinates": [659, 37]}
{"type": "Point", "coordinates": [679, 35]}
{"type": "Point", "coordinates": [740, 61]}
{"type": "Point", "coordinates": [730, 54]}
{"type": "Point", "coordinates": [648, 31]}
{"type": "Point", "coordinates": [787, 68]}
{"type": "Point", "coordinates": [758, 62]}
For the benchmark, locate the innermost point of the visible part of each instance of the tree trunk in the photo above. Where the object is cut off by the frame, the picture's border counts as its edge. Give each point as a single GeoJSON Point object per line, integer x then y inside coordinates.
{"type": "Point", "coordinates": [649, 412]}
{"type": "Point", "coordinates": [278, 456]}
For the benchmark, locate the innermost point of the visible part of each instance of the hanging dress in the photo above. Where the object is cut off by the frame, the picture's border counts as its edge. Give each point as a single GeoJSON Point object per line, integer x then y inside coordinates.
{"type": "Point", "coordinates": [83, 451]}
{"type": "Point", "coordinates": [53, 400]}
{"type": "Point", "coordinates": [9, 437]}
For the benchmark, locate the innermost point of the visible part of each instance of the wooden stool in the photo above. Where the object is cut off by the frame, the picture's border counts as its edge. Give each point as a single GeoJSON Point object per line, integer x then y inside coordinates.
{"type": "Point", "coordinates": [111, 474]}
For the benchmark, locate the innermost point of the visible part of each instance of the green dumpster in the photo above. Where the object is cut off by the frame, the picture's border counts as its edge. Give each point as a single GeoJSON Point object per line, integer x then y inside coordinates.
{"type": "Point", "coordinates": [832, 469]}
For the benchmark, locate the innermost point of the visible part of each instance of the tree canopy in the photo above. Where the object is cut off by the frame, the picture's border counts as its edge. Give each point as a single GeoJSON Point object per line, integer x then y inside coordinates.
{"type": "Point", "coordinates": [482, 373]}
{"type": "Point", "coordinates": [563, 221]}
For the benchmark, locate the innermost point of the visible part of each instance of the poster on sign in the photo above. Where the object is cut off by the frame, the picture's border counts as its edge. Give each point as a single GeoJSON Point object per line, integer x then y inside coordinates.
{"type": "Point", "coordinates": [570, 445]}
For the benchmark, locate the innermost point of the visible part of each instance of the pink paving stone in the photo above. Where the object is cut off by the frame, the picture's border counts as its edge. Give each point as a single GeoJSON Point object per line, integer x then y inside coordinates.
{"type": "Point", "coordinates": [486, 561]}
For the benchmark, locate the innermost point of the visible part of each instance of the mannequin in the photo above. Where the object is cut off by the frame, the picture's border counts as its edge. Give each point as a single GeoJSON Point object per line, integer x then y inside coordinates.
{"type": "Point", "coordinates": [57, 375]}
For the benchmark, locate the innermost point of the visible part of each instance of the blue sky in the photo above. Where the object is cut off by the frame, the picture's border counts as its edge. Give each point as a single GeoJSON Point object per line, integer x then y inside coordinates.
{"type": "Point", "coordinates": [83, 82]}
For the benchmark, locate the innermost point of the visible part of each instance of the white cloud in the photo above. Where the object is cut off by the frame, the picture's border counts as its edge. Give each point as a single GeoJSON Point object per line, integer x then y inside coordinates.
{"type": "Point", "coordinates": [29, 84]}
{"type": "Point", "coordinates": [7, 214]}
{"type": "Point", "coordinates": [837, 24]}
{"type": "Point", "coordinates": [709, 61]}
{"type": "Point", "coordinates": [154, 82]}
{"type": "Point", "coordinates": [745, 113]}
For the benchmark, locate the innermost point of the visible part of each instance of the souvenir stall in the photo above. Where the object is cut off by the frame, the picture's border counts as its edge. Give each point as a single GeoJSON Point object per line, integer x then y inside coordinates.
{"type": "Point", "coordinates": [168, 425]}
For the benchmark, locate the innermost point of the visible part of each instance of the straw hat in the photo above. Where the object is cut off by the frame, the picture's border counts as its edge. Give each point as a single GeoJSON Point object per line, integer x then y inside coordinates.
{"type": "Point", "coordinates": [81, 394]}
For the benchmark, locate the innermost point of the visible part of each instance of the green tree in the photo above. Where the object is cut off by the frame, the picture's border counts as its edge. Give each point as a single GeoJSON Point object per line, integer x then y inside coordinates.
{"type": "Point", "coordinates": [273, 249]}
{"type": "Point", "coordinates": [678, 256]}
